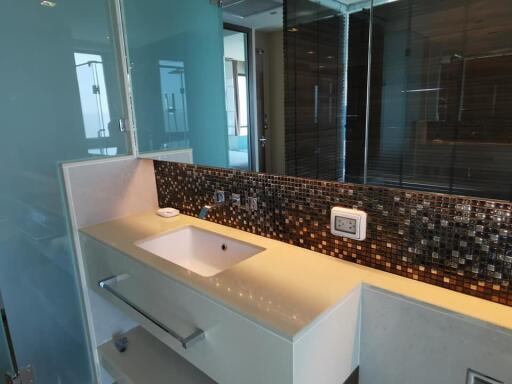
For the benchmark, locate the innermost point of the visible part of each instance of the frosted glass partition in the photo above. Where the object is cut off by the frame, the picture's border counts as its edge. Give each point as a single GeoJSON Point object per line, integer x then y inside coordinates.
{"type": "Point", "coordinates": [60, 100]}
{"type": "Point", "coordinates": [176, 60]}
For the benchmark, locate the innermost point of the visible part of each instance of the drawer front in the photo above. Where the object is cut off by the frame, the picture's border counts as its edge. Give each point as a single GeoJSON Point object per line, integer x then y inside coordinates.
{"type": "Point", "coordinates": [234, 350]}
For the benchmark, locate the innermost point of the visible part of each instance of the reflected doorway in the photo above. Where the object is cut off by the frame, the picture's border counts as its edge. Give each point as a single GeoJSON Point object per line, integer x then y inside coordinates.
{"type": "Point", "coordinates": [262, 20]}
{"type": "Point", "coordinates": [238, 84]}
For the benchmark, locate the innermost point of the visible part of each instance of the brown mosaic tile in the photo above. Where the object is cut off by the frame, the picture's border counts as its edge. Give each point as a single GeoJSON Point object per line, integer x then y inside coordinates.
{"type": "Point", "coordinates": [460, 243]}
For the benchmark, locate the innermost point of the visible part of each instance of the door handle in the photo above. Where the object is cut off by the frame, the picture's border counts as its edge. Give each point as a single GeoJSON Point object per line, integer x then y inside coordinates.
{"type": "Point", "coordinates": [121, 125]}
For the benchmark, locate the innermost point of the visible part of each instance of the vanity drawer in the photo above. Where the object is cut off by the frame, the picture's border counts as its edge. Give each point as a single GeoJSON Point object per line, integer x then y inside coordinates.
{"type": "Point", "coordinates": [234, 350]}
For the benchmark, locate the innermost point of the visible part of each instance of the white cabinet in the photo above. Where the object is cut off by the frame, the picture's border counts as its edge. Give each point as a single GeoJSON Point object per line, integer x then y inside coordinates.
{"type": "Point", "coordinates": [390, 338]}
{"type": "Point", "coordinates": [234, 349]}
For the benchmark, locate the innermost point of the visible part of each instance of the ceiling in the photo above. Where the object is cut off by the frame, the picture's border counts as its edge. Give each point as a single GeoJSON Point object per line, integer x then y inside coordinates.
{"type": "Point", "coordinates": [262, 15]}
{"type": "Point", "coordinates": [267, 15]}
{"type": "Point", "coordinates": [247, 8]}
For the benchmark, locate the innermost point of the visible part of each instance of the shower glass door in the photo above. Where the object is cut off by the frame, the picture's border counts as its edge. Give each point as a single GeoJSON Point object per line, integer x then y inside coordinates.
{"type": "Point", "coordinates": [61, 101]}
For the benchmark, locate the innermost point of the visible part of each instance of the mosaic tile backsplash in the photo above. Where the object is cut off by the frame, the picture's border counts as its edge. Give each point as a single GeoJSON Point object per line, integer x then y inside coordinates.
{"type": "Point", "coordinates": [460, 243]}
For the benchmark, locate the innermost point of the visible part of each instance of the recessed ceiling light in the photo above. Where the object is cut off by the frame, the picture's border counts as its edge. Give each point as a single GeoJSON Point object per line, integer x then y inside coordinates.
{"type": "Point", "coordinates": [293, 29]}
{"type": "Point", "coordinates": [311, 52]}
{"type": "Point", "coordinates": [48, 3]}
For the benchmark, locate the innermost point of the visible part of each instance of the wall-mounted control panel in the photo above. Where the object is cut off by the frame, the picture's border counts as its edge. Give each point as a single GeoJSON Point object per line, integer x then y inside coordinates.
{"type": "Point", "coordinates": [349, 223]}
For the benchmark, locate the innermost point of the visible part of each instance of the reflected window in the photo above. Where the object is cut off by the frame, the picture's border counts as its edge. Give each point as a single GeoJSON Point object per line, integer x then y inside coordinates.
{"type": "Point", "coordinates": [94, 101]}
{"type": "Point", "coordinates": [242, 104]}
{"type": "Point", "coordinates": [93, 94]}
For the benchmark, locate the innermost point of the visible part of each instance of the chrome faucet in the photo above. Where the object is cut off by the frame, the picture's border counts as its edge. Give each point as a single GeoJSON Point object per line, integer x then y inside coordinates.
{"type": "Point", "coordinates": [204, 212]}
{"type": "Point", "coordinates": [218, 199]}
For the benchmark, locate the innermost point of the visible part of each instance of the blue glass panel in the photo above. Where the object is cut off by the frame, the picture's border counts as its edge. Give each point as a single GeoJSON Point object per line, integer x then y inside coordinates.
{"type": "Point", "coordinates": [177, 69]}
{"type": "Point", "coordinates": [60, 100]}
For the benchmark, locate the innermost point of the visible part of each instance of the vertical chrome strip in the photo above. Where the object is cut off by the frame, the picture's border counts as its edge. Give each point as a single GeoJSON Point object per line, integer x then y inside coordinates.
{"type": "Point", "coordinates": [315, 96]}
{"type": "Point", "coordinates": [345, 95]}
{"type": "Point", "coordinates": [368, 87]}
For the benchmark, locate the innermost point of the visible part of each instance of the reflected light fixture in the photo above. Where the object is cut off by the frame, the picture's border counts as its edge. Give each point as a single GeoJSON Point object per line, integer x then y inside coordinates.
{"type": "Point", "coordinates": [48, 3]}
{"type": "Point", "coordinates": [421, 90]}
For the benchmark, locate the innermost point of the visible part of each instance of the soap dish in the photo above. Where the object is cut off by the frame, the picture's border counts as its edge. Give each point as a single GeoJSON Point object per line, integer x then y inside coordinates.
{"type": "Point", "coordinates": [168, 212]}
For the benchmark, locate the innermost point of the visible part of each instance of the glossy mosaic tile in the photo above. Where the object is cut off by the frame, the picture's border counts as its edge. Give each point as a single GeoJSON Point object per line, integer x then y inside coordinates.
{"type": "Point", "coordinates": [460, 243]}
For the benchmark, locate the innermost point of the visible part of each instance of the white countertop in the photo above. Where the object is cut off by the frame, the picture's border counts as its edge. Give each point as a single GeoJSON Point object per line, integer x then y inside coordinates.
{"type": "Point", "coordinates": [284, 288]}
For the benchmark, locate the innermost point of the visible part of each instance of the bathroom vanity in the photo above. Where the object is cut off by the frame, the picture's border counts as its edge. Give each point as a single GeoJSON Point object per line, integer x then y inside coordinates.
{"type": "Point", "coordinates": [243, 320]}
{"type": "Point", "coordinates": [246, 309]}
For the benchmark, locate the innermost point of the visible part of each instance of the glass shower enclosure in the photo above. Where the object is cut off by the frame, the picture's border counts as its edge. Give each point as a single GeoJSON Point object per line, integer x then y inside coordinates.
{"type": "Point", "coordinates": [61, 101]}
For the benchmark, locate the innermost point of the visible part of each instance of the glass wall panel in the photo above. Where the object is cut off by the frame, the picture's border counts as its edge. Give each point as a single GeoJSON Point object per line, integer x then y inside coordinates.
{"type": "Point", "coordinates": [357, 34]}
{"type": "Point", "coordinates": [441, 96]}
{"type": "Point", "coordinates": [315, 92]}
{"type": "Point", "coordinates": [60, 100]}
{"type": "Point", "coordinates": [177, 72]}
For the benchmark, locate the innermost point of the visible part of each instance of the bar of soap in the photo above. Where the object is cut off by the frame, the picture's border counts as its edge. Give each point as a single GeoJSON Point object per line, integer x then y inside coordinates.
{"type": "Point", "coordinates": [167, 212]}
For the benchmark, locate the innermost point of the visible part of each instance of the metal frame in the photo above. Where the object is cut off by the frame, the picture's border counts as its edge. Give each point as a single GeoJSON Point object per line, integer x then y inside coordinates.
{"type": "Point", "coordinates": [10, 345]}
{"type": "Point", "coordinates": [19, 375]}
{"type": "Point", "coordinates": [124, 67]}
{"type": "Point", "coordinates": [472, 376]}
{"type": "Point", "coordinates": [368, 96]}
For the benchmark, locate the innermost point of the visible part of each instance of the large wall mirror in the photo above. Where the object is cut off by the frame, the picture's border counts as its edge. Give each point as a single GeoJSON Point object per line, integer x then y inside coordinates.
{"type": "Point", "coordinates": [406, 93]}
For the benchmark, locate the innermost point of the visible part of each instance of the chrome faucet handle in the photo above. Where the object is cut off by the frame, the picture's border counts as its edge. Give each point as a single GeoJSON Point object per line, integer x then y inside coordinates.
{"type": "Point", "coordinates": [236, 200]}
{"type": "Point", "coordinates": [219, 197]}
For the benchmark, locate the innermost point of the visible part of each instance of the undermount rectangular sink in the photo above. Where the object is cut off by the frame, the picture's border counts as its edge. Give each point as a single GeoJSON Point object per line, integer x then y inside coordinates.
{"type": "Point", "coordinates": [203, 252]}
